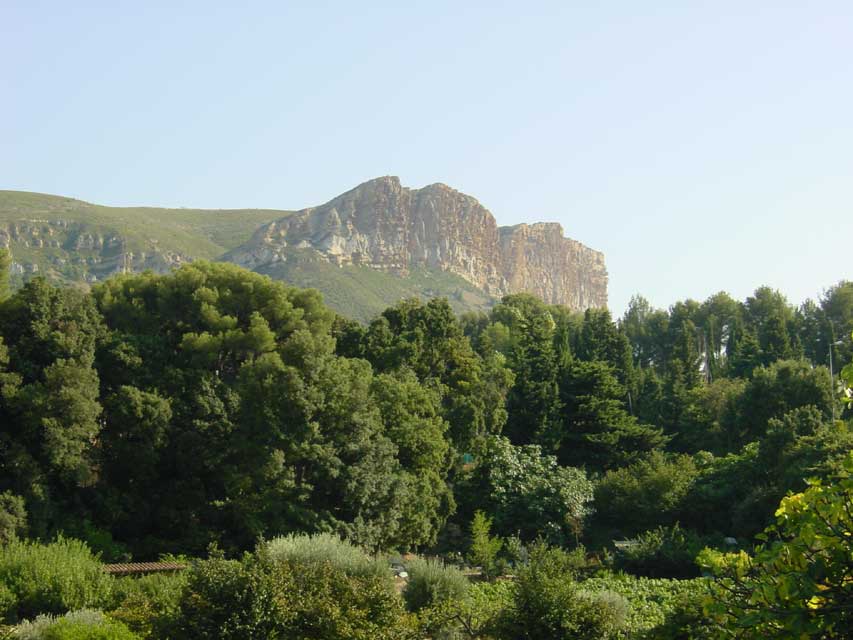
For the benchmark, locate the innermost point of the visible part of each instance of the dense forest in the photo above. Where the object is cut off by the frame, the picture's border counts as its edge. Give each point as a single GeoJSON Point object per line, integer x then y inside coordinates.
{"type": "Point", "coordinates": [209, 412]}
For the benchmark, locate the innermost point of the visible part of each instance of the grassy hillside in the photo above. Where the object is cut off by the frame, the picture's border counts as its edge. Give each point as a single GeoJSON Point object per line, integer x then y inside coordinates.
{"type": "Point", "coordinates": [361, 292]}
{"type": "Point", "coordinates": [72, 240]}
{"type": "Point", "coordinates": [204, 233]}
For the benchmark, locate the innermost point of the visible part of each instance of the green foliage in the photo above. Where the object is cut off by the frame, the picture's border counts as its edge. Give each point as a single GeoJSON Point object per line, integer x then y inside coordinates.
{"type": "Point", "coordinates": [431, 583]}
{"type": "Point", "coordinates": [412, 417]}
{"type": "Point", "coordinates": [13, 517]}
{"type": "Point", "coordinates": [533, 403]}
{"type": "Point", "coordinates": [665, 552]}
{"type": "Point", "coordinates": [325, 549]}
{"type": "Point", "coordinates": [147, 605]}
{"type": "Point", "coordinates": [76, 625]}
{"type": "Point", "coordinates": [50, 578]}
{"type": "Point", "coordinates": [648, 493]}
{"type": "Point", "coordinates": [527, 493]}
{"type": "Point", "coordinates": [597, 431]}
{"type": "Point", "coordinates": [660, 609]}
{"type": "Point", "coordinates": [427, 339]}
{"type": "Point", "coordinates": [548, 604]}
{"type": "Point", "coordinates": [484, 548]}
{"type": "Point", "coordinates": [773, 391]}
{"type": "Point", "coordinates": [799, 582]}
{"type": "Point", "coordinates": [261, 598]}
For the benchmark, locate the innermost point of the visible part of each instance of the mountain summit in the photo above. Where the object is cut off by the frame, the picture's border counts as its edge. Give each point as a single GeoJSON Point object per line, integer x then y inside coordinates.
{"type": "Point", "coordinates": [385, 226]}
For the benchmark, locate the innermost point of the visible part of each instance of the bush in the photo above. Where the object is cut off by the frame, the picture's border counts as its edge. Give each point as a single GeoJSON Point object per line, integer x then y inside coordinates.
{"type": "Point", "coordinates": [479, 615]}
{"type": "Point", "coordinates": [13, 517]}
{"type": "Point", "coordinates": [78, 625]}
{"type": "Point", "coordinates": [666, 552]}
{"type": "Point", "coordinates": [325, 548]}
{"type": "Point", "coordinates": [659, 608]}
{"type": "Point", "coordinates": [283, 597]}
{"type": "Point", "coordinates": [431, 582]}
{"type": "Point", "coordinates": [484, 548]}
{"type": "Point", "coordinates": [148, 605]}
{"type": "Point", "coordinates": [549, 604]}
{"type": "Point", "coordinates": [645, 494]}
{"type": "Point", "coordinates": [50, 579]}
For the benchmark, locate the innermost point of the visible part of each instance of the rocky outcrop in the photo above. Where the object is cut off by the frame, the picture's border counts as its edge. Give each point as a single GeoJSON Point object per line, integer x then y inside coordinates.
{"type": "Point", "coordinates": [383, 225]}
{"type": "Point", "coordinates": [75, 251]}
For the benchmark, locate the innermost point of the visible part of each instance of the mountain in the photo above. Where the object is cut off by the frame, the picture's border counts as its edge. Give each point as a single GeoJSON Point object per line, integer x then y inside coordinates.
{"type": "Point", "coordinates": [365, 249]}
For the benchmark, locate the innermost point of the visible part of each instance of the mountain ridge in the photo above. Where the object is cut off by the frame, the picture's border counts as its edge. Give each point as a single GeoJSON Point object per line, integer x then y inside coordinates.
{"type": "Point", "coordinates": [384, 225]}
{"type": "Point", "coordinates": [364, 249]}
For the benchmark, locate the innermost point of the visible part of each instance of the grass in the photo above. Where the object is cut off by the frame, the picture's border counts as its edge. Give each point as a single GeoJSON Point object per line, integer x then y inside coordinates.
{"type": "Point", "coordinates": [361, 293]}
{"type": "Point", "coordinates": [201, 233]}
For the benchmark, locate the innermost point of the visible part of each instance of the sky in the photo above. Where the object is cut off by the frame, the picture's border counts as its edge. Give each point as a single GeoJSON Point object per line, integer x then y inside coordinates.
{"type": "Point", "coordinates": [702, 146]}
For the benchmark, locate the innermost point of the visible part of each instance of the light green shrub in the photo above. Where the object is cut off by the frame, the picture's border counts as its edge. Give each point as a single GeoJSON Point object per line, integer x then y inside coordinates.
{"type": "Point", "coordinates": [431, 582]}
{"type": "Point", "coordinates": [263, 598]}
{"type": "Point", "coordinates": [50, 578]}
{"type": "Point", "coordinates": [324, 548]}
{"type": "Point", "coordinates": [86, 624]}
{"type": "Point", "coordinates": [148, 605]}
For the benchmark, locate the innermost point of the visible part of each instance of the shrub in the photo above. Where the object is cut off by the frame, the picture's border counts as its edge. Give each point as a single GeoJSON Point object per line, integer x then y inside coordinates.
{"type": "Point", "coordinates": [645, 494]}
{"type": "Point", "coordinates": [50, 579]}
{"type": "Point", "coordinates": [658, 608]}
{"type": "Point", "coordinates": [431, 582]}
{"type": "Point", "coordinates": [687, 620]}
{"type": "Point", "coordinates": [148, 605]}
{"type": "Point", "coordinates": [77, 625]}
{"type": "Point", "coordinates": [325, 548]}
{"type": "Point", "coordinates": [262, 597]}
{"type": "Point", "coordinates": [484, 548]}
{"type": "Point", "coordinates": [220, 601]}
{"type": "Point", "coordinates": [479, 615]}
{"type": "Point", "coordinates": [549, 604]}
{"type": "Point", "coordinates": [665, 552]}
{"type": "Point", "coordinates": [13, 517]}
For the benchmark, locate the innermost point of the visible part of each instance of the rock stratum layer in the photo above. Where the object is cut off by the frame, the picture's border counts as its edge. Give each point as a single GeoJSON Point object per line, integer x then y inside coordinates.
{"type": "Point", "coordinates": [383, 225]}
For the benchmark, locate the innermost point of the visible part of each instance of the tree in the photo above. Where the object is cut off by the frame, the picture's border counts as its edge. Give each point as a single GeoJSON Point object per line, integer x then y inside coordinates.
{"type": "Point", "coordinates": [596, 431]}
{"type": "Point", "coordinates": [718, 318]}
{"type": "Point", "coordinates": [527, 493]}
{"type": "Point", "coordinates": [427, 339]}
{"type": "Point", "coordinates": [770, 318]}
{"type": "Point", "coordinates": [411, 414]}
{"type": "Point", "coordinates": [484, 547]}
{"type": "Point", "coordinates": [772, 392]}
{"type": "Point", "coordinates": [645, 494]}
{"type": "Point", "coordinates": [800, 581]}
{"type": "Point", "coordinates": [602, 340]}
{"type": "Point", "coordinates": [13, 517]}
{"type": "Point", "coordinates": [533, 403]}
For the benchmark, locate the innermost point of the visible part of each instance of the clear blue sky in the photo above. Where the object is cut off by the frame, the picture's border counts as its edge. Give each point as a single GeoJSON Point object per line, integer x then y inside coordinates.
{"type": "Point", "coordinates": [700, 147]}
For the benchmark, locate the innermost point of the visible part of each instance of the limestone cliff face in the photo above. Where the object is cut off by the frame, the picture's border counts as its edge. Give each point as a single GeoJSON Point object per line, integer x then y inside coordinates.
{"type": "Point", "coordinates": [76, 252]}
{"type": "Point", "coordinates": [383, 225]}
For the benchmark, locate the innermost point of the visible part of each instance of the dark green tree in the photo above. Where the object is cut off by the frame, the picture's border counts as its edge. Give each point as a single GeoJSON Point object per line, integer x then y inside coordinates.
{"type": "Point", "coordinates": [596, 430]}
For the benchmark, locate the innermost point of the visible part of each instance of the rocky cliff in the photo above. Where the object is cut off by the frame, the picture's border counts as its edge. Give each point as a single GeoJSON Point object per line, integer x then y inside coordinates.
{"type": "Point", "coordinates": [78, 251]}
{"type": "Point", "coordinates": [385, 226]}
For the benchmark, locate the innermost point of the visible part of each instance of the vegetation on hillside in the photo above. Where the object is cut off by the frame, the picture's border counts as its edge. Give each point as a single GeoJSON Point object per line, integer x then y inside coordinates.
{"type": "Point", "coordinates": [216, 413]}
